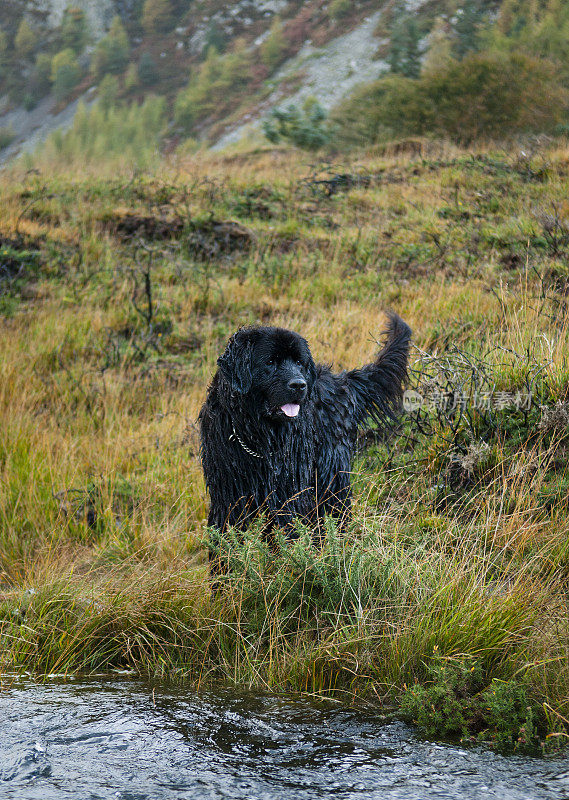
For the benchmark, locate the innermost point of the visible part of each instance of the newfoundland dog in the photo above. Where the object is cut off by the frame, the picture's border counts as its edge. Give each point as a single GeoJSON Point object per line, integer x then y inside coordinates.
{"type": "Point", "coordinates": [278, 431]}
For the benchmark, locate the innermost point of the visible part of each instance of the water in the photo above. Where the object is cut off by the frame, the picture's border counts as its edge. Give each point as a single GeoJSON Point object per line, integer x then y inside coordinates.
{"type": "Point", "coordinates": [130, 740]}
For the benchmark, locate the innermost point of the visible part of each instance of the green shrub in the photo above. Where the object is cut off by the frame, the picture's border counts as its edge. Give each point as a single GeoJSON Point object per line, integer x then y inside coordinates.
{"type": "Point", "coordinates": [336, 579]}
{"type": "Point", "coordinates": [458, 700]}
{"type": "Point", "coordinates": [481, 96]}
{"type": "Point", "coordinates": [306, 127]}
{"type": "Point", "coordinates": [439, 55]}
{"type": "Point", "coordinates": [131, 80]}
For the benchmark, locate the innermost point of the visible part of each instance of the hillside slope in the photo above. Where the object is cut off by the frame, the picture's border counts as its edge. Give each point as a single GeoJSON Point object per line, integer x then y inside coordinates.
{"type": "Point", "coordinates": [446, 596]}
{"type": "Point", "coordinates": [328, 74]}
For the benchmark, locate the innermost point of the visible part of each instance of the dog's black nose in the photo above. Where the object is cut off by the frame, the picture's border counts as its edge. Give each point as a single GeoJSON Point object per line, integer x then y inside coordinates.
{"type": "Point", "coordinates": [297, 385]}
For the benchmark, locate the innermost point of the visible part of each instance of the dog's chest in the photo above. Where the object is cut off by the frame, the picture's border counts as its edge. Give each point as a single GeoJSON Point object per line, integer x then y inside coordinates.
{"type": "Point", "coordinates": [290, 469]}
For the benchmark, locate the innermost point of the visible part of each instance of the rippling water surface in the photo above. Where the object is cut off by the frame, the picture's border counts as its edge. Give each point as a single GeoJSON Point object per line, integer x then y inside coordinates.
{"type": "Point", "coordinates": [126, 739]}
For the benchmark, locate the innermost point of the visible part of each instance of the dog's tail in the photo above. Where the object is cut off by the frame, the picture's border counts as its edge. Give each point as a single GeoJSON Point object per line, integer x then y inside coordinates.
{"type": "Point", "coordinates": [377, 389]}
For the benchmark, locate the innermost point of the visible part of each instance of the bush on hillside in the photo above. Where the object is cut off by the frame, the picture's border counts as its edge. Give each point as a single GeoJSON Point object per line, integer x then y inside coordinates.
{"type": "Point", "coordinates": [439, 54]}
{"type": "Point", "coordinates": [306, 127]}
{"type": "Point", "coordinates": [484, 95]}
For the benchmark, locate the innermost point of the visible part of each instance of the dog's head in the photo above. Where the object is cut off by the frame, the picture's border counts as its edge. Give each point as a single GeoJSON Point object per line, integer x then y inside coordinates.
{"type": "Point", "coordinates": [271, 368]}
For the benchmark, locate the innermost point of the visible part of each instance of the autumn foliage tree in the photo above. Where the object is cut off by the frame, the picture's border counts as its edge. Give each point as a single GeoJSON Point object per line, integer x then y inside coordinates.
{"type": "Point", "coordinates": [112, 52]}
{"type": "Point", "coordinates": [26, 39]}
{"type": "Point", "coordinates": [157, 16]}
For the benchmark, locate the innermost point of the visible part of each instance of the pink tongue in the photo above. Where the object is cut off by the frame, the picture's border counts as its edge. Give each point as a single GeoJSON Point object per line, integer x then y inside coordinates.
{"type": "Point", "coordinates": [290, 409]}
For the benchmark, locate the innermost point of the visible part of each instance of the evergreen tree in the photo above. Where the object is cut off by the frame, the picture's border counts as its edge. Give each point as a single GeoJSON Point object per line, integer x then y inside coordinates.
{"type": "Point", "coordinates": [3, 47]}
{"type": "Point", "coordinates": [467, 26]}
{"type": "Point", "coordinates": [108, 92]}
{"type": "Point", "coordinates": [157, 16]}
{"type": "Point", "coordinates": [65, 73]}
{"type": "Point", "coordinates": [215, 38]}
{"type": "Point", "coordinates": [40, 81]}
{"type": "Point", "coordinates": [131, 80]}
{"type": "Point", "coordinates": [306, 127]}
{"type": "Point", "coordinates": [147, 70]}
{"type": "Point", "coordinates": [274, 46]}
{"type": "Point", "coordinates": [218, 80]}
{"type": "Point", "coordinates": [112, 52]}
{"type": "Point", "coordinates": [26, 39]}
{"type": "Point", "coordinates": [439, 54]}
{"type": "Point", "coordinates": [339, 9]}
{"type": "Point", "coordinates": [74, 29]}
{"type": "Point", "coordinates": [404, 58]}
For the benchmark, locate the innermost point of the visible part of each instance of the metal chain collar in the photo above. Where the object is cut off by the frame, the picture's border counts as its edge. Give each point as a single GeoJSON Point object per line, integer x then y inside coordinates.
{"type": "Point", "coordinates": [234, 435]}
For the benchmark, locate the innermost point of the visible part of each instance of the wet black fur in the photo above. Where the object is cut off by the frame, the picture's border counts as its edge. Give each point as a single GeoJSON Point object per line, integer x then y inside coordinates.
{"type": "Point", "coordinates": [255, 459]}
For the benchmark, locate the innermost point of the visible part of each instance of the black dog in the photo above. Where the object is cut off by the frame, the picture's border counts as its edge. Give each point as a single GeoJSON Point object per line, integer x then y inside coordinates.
{"type": "Point", "coordinates": [278, 432]}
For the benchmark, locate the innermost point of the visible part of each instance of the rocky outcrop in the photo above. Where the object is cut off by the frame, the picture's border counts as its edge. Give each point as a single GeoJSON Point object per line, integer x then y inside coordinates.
{"type": "Point", "coordinates": [99, 13]}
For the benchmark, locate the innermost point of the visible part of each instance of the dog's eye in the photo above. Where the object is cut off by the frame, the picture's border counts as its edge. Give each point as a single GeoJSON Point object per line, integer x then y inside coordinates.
{"type": "Point", "coordinates": [270, 362]}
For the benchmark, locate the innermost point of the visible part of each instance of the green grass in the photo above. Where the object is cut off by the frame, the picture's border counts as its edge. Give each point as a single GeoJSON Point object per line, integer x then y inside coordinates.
{"type": "Point", "coordinates": [457, 559]}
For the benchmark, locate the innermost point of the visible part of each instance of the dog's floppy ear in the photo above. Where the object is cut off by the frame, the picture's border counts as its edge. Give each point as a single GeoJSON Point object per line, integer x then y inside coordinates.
{"type": "Point", "coordinates": [311, 373]}
{"type": "Point", "coordinates": [236, 364]}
